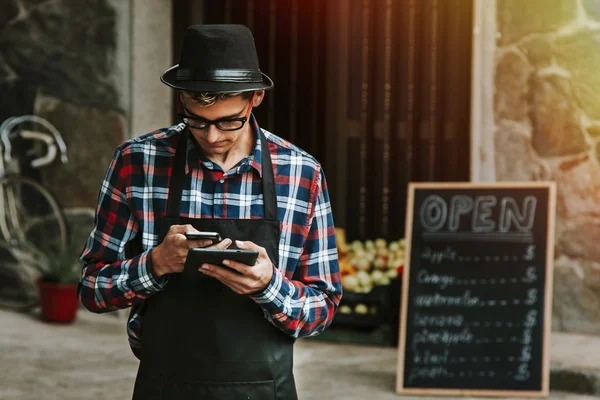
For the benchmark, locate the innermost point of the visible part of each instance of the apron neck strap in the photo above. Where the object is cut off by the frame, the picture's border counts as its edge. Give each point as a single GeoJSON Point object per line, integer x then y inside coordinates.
{"type": "Point", "coordinates": [178, 174]}
{"type": "Point", "coordinates": [268, 180]}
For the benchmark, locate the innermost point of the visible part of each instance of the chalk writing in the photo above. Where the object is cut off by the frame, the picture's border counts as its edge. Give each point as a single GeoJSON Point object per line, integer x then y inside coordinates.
{"type": "Point", "coordinates": [435, 213]}
{"type": "Point", "coordinates": [511, 215]}
{"type": "Point", "coordinates": [530, 275]}
{"type": "Point", "coordinates": [443, 337]}
{"type": "Point", "coordinates": [429, 357]}
{"type": "Point", "coordinates": [439, 320]}
{"type": "Point", "coordinates": [428, 372]}
{"type": "Point", "coordinates": [436, 299]}
{"type": "Point", "coordinates": [530, 253]}
{"type": "Point", "coordinates": [437, 256]}
{"type": "Point", "coordinates": [531, 297]}
{"type": "Point", "coordinates": [525, 357]}
{"type": "Point", "coordinates": [423, 276]}
{"type": "Point", "coordinates": [482, 221]}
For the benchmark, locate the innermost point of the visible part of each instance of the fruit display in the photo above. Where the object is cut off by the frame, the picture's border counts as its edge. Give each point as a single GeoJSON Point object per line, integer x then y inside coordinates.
{"type": "Point", "coordinates": [360, 308]}
{"type": "Point", "coordinates": [364, 265]}
{"type": "Point", "coordinates": [368, 270]}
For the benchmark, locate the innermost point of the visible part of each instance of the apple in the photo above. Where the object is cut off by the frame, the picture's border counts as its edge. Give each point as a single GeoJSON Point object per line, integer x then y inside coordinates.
{"type": "Point", "coordinates": [364, 278]}
{"type": "Point", "coordinates": [361, 309]}
{"type": "Point", "coordinates": [345, 309]}
{"type": "Point", "coordinates": [351, 283]}
{"type": "Point", "coordinates": [377, 276]}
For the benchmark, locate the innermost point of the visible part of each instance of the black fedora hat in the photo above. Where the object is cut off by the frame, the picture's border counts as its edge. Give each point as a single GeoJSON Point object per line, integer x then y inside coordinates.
{"type": "Point", "coordinates": [217, 58]}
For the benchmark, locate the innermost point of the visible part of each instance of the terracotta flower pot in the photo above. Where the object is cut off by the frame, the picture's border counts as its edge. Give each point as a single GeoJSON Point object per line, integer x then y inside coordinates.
{"type": "Point", "coordinates": [58, 301]}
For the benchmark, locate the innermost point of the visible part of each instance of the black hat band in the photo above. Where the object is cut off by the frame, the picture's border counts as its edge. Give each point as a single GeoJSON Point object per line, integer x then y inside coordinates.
{"type": "Point", "coordinates": [218, 75]}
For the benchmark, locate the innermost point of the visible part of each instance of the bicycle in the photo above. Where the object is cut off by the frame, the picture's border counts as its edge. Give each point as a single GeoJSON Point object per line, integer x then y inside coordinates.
{"type": "Point", "coordinates": [30, 217]}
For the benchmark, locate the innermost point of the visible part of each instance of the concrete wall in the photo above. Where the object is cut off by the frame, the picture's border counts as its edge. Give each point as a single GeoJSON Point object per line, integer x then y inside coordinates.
{"type": "Point", "coordinates": [151, 55]}
{"type": "Point", "coordinates": [541, 121]}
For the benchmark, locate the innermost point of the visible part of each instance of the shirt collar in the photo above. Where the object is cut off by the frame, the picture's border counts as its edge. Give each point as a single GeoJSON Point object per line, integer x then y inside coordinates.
{"type": "Point", "coordinates": [195, 158]}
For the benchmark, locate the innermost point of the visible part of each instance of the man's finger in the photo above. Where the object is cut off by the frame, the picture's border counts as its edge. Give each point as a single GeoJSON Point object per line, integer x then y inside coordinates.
{"type": "Point", "coordinates": [180, 239]}
{"type": "Point", "coordinates": [219, 272]}
{"type": "Point", "coordinates": [223, 244]}
{"type": "Point", "coordinates": [198, 243]}
{"type": "Point", "coordinates": [248, 245]}
{"type": "Point", "coordinates": [238, 266]}
{"type": "Point", "coordinates": [215, 272]}
{"type": "Point", "coordinates": [182, 228]}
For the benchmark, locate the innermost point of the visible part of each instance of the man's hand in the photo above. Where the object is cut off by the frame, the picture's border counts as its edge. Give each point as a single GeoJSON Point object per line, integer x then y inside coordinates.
{"type": "Point", "coordinates": [251, 279]}
{"type": "Point", "coordinates": [169, 256]}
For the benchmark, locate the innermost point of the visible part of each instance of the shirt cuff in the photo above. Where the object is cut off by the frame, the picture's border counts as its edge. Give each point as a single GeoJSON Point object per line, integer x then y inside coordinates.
{"type": "Point", "coordinates": [273, 293]}
{"type": "Point", "coordinates": [142, 280]}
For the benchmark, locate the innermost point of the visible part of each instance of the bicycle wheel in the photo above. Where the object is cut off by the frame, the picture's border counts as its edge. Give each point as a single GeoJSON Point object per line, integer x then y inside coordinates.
{"type": "Point", "coordinates": [32, 215]}
{"type": "Point", "coordinates": [31, 221]}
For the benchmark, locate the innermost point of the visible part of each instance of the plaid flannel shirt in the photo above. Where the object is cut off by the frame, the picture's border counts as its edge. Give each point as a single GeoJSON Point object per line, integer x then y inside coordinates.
{"type": "Point", "coordinates": [305, 290]}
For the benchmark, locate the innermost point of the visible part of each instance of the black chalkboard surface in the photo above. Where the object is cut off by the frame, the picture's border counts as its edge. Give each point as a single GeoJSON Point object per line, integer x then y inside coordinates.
{"type": "Point", "coordinates": [476, 298]}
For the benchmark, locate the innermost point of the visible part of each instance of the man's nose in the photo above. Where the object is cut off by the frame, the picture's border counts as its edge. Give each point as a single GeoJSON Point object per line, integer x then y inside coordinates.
{"type": "Point", "coordinates": [213, 134]}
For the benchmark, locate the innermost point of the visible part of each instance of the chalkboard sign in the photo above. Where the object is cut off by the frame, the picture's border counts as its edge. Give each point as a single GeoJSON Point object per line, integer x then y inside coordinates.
{"type": "Point", "coordinates": [477, 289]}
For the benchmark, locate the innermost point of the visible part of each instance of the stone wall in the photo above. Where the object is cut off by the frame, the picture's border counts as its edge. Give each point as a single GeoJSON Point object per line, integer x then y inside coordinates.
{"type": "Point", "coordinates": [547, 118]}
{"type": "Point", "coordinates": [68, 61]}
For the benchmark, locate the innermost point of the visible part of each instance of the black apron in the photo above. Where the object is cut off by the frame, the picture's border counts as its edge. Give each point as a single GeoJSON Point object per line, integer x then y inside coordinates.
{"type": "Point", "coordinates": [200, 339]}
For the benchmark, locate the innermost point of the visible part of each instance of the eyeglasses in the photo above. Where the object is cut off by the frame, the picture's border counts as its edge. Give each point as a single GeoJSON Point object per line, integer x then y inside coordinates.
{"type": "Point", "coordinates": [223, 124]}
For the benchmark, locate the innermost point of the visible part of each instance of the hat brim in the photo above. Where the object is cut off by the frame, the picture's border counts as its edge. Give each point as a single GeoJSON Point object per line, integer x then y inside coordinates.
{"type": "Point", "coordinates": [168, 78]}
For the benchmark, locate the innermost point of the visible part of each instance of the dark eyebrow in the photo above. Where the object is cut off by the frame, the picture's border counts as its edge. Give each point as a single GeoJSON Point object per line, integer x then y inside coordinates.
{"type": "Point", "coordinates": [225, 117]}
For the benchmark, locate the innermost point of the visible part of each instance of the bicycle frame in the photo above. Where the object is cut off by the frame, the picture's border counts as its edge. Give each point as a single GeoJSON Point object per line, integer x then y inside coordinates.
{"type": "Point", "coordinates": [5, 131]}
{"type": "Point", "coordinates": [10, 123]}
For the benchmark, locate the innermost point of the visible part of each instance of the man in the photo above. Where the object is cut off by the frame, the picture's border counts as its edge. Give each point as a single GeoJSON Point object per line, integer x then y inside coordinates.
{"type": "Point", "coordinates": [214, 332]}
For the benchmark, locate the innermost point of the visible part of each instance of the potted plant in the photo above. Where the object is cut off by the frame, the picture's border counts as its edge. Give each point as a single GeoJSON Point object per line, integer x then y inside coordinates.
{"type": "Point", "coordinates": [60, 272]}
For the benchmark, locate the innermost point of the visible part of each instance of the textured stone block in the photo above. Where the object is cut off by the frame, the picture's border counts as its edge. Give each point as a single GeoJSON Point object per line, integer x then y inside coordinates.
{"type": "Point", "coordinates": [580, 54]}
{"type": "Point", "coordinates": [6, 73]}
{"type": "Point", "coordinates": [578, 188]}
{"type": "Point", "coordinates": [515, 157]}
{"type": "Point", "coordinates": [539, 51]}
{"type": "Point", "coordinates": [581, 241]}
{"type": "Point", "coordinates": [517, 18]}
{"type": "Point", "coordinates": [555, 117]}
{"type": "Point", "coordinates": [17, 98]}
{"type": "Point", "coordinates": [91, 136]}
{"type": "Point", "coordinates": [8, 11]}
{"type": "Point", "coordinates": [592, 9]}
{"type": "Point", "coordinates": [576, 297]}
{"type": "Point", "coordinates": [66, 47]}
{"type": "Point", "coordinates": [512, 87]}
{"type": "Point", "coordinates": [544, 89]}
{"type": "Point", "coordinates": [593, 131]}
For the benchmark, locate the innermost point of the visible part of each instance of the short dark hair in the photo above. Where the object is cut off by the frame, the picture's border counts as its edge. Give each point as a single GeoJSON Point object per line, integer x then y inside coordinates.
{"type": "Point", "coordinates": [208, 99]}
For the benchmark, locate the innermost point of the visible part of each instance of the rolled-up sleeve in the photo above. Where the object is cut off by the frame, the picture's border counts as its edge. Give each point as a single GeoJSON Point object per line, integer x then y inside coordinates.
{"type": "Point", "coordinates": [305, 305]}
{"type": "Point", "coordinates": [109, 279]}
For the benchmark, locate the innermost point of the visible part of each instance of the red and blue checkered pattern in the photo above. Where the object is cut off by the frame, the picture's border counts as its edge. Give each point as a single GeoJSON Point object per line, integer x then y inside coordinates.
{"type": "Point", "coordinates": [303, 295]}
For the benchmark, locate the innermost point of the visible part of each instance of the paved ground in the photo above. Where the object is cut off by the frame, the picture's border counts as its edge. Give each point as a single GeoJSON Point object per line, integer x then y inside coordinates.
{"type": "Point", "coordinates": [91, 360]}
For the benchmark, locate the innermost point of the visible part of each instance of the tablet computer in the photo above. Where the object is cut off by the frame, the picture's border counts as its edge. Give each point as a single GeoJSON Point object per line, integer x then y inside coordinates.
{"type": "Point", "coordinates": [198, 256]}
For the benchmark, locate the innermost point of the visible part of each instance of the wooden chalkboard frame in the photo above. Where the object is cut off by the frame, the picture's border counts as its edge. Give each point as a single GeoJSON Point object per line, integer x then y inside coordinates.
{"type": "Point", "coordinates": [544, 392]}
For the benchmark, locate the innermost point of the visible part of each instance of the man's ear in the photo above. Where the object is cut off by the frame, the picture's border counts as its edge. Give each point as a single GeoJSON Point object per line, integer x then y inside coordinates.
{"type": "Point", "coordinates": [258, 98]}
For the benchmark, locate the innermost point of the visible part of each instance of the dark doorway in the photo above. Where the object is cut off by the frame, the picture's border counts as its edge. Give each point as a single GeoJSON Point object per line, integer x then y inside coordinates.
{"type": "Point", "coordinates": [377, 90]}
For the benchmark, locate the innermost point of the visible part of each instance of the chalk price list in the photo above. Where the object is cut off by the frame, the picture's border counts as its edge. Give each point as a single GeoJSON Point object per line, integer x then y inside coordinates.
{"type": "Point", "coordinates": [441, 345]}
